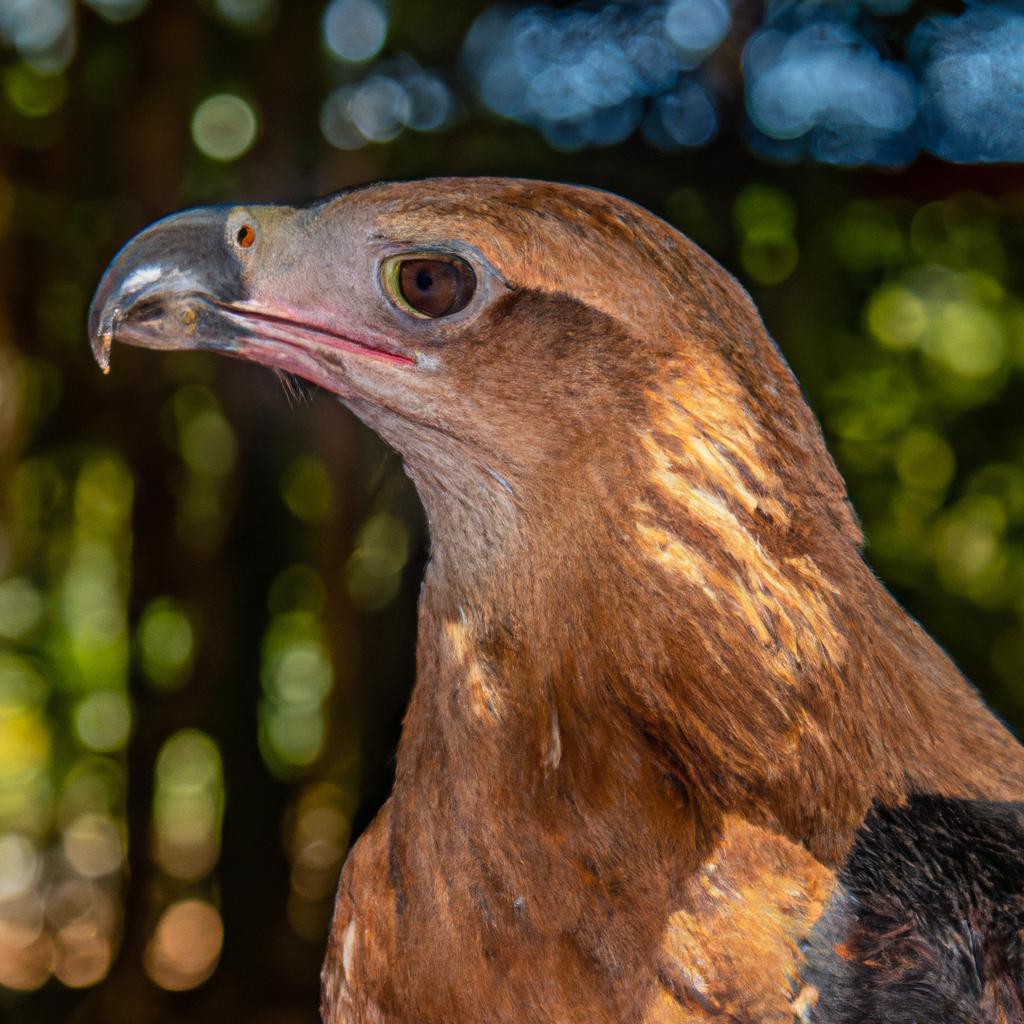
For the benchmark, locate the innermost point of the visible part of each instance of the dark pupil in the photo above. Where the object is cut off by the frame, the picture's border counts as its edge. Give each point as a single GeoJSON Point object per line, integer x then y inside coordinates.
{"type": "Point", "coordinates": [436, 287]}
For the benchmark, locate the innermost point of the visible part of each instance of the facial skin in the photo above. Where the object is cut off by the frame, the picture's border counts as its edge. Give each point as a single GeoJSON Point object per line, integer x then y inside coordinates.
{"type": "Point", "coordinates": [279, 286]}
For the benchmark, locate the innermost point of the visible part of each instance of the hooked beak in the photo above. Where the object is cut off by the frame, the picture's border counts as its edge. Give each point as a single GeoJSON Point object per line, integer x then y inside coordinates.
{"type": "Point", "coordinates": [178, 285]}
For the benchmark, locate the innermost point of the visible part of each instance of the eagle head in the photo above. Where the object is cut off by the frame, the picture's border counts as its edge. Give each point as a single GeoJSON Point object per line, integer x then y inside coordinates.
{"type": "Point", "coordinates": [531, 349]}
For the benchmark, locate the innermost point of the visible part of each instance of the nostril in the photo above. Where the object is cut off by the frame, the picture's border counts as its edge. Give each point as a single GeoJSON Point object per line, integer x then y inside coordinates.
{"type": "Point", "coordinates": [147, 308]}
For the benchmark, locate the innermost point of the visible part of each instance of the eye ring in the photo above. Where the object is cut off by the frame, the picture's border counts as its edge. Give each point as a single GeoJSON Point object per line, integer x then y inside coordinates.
{"type": "Point", "coordinates": [428, 285]}
{"type": "Point", "coordinates": [245, 236]}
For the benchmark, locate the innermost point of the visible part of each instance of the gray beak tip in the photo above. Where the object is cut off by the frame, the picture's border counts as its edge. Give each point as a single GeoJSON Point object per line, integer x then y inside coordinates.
{"type": "Point", "coordinates": [102, 323]}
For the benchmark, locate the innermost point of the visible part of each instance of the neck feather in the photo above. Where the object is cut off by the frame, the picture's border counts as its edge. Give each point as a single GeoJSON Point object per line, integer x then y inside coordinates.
{"type": "Point", "coordinates": [761, 668]}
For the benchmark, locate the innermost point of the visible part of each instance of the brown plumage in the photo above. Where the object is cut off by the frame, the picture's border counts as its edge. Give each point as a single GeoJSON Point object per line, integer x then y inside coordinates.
{"type": "Point", "coordinates": [658, 689]}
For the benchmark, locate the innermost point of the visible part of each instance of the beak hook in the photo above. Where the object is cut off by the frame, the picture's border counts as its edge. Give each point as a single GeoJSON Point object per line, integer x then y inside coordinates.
{"type": "Point", "coordinates": [103, 338]}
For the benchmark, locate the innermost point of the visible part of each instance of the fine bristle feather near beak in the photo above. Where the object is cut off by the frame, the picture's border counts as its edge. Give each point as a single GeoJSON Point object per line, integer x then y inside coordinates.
{"type": "Point", "coordinates": [297, 391]}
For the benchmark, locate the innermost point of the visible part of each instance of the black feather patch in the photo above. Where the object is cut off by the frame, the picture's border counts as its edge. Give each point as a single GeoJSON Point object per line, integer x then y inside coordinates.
{"type": "Point", "coordinates": [926, 923]}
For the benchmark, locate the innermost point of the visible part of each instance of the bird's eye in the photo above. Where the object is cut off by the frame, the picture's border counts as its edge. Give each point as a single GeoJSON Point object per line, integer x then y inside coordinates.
{"type": "Point", "coordinates": [429, 286]}
{"type": "Point", "coordinates": [246, 235]}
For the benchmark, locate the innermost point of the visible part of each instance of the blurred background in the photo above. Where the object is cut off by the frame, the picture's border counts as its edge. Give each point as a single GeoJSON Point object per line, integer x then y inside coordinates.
{"type": "Point", "coordinates": [208, 583]}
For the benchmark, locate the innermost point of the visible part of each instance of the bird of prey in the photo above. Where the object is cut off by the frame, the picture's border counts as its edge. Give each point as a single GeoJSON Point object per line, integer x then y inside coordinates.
{"type": "Point", "coordinates": [673, 754]}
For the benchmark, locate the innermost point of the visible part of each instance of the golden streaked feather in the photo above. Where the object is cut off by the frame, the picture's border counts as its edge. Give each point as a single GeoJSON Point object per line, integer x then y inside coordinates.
{"type": "Point", "coordinates": [732, 950]}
